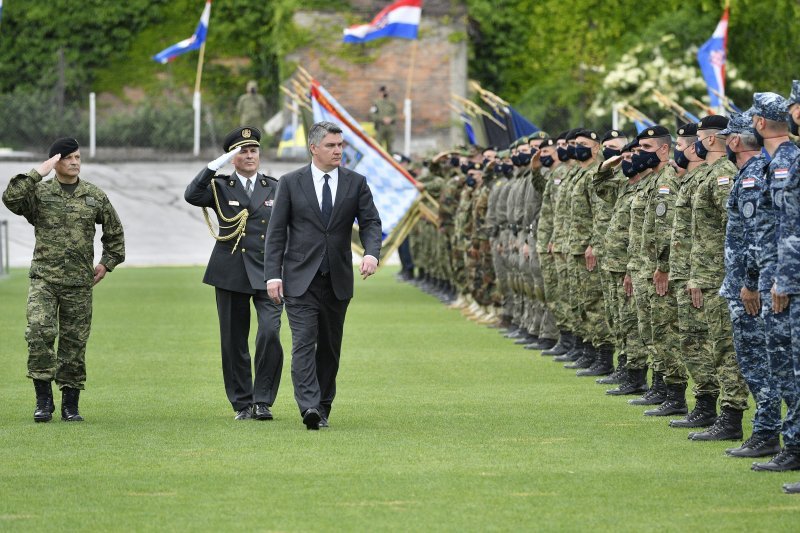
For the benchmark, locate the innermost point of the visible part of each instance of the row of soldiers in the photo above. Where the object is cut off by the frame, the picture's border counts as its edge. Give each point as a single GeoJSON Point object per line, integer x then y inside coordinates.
{"type": "Point", "coordinates": [678, 255]}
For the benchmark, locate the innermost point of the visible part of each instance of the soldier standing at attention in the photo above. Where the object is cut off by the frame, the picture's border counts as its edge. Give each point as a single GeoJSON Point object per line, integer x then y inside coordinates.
{"type": "Point", "coordinates": [384, 114]}
{"type": "Point", "coordinates": [64, 212]}
{"type": "Point", "coordinates": [251, 106]}
{"type": "Point", "coordinates": [243, 205]}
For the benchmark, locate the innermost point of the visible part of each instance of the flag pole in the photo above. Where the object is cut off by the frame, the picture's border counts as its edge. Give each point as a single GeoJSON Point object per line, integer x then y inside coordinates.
{"type": "Point", "coordinates": [407, 101]}
{"type": "Point", "coordinates": [196, 100]}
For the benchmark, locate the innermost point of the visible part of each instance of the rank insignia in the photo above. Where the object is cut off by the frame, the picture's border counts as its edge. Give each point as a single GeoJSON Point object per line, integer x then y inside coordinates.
{"type": "Point", "coordinates": [268, 203]}
{"type": "Point", "coordinates": [231, 183]}
{"type": "Point", "coordinates": [263, 183]}
{"type": "Point", "coordinates": [246, 133]}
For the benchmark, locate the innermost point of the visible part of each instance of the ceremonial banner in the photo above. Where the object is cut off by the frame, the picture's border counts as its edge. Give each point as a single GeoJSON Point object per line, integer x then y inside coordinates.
{"type": "Point", "coordinates": [393, 188]}
{"type": "Point", "coordinates": [187, 45]}
{"type": "Point", "coordinates": [399, 20]}
{"type": "Point", "coordinates": [712, 57]}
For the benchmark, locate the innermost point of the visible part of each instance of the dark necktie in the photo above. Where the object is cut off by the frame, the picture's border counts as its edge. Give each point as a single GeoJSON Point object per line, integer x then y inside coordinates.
{"type": "Point", "coordinates": [327, 201]}
{"type": "Point", "coordinates": [249, 187]}
{"type": "Point", "coordinates": [327, 207]}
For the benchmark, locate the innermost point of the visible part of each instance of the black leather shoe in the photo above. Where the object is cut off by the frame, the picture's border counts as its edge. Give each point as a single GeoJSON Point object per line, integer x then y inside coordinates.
{"type": "Point", "coordinates": [244, 414]}
{"type": "Point", "coordinates": [783, 462]}
{"type": "Point", "coordinates": [323, 421]}
{"type": "Point", "coordinates": [791, 488]}
{"type": "Point", "coordinates": [757, 446]}
{"type": "Point", "coordinates": [261, 411]}
{"type": "Point", "coordinates": [311, 419]}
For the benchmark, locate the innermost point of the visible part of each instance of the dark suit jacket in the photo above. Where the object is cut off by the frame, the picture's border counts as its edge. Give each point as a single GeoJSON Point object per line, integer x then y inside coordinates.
{"type": "Point", "coordinates": [297, 239]}
{"type": "Point", "coordinates": [242, 270]}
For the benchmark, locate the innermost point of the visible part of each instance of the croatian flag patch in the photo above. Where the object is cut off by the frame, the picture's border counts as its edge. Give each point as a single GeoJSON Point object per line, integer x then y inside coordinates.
{"type": "Point", "coordinates": [723, 180]}
{"type": "Point", "coordinates": [781, 173]}
{"type": "Point", "coordinates": [748, 183]}
{"type": "Point", "coordinates": [663, 190]}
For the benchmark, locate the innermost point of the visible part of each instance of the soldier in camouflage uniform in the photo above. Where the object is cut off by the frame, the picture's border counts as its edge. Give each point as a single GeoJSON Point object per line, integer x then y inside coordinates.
{"type": "Point", "coordinates": [499, 219]}
{"type": "Point", "coordinates": [383, 114]}
{"type": "Point", "coordinates": [448, 203]}
{"type": "Point", "coordinates": [251, 106]}
{"type": "Point", "coordinates": [480, 249]}
{"type": "Point", "coordinates": [741, 272]}
{"type": "Point", "coordinates": [64, 212]}
{"type": "Point", "coordinates": [769, 120]}
{"type": "Point", "coordinates": [707, 260]}
{"type": "Point", "coordinates": [462, 230]}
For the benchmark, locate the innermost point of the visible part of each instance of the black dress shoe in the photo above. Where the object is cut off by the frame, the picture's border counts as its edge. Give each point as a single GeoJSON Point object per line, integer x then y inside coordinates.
{"type": "Point", "coordinates": [311, 418]}
{"type": "Point", "coordinates": [783, 462]}
{"type": "Point", "coordinates": [244, 414]}
{"type": "Point", "coordinates": [261, 411]}
{"type": "Point", "coordinates": [323, 422]}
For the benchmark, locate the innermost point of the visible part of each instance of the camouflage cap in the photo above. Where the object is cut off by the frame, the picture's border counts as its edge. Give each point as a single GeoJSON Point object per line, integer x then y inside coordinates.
{"type": "Point", "coordinates": [771, 106]}
{"type": "Point", "coordinates": [739, 123]}
{"type": "Point", "coordinates": [794, 96]}
{"type": "Point", "coordinates": [688, 130]}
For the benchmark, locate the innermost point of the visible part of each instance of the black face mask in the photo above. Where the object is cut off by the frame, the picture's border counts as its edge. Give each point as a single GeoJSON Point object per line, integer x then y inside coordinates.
{"type": "Point", "coordinates": [470, 181]}
{"type": "Point", "coordinates": [644, 160]}
{"type": "Point", "coordinates": [700, 150]}
{"type": "Point", "coordinates": [608, 153]}
{"type": "Point", "coordinates": [582, 153]}
{"type": "Point", "coordinates": [547, 160]}
{"type": "Point", "coordinates": [562, 154]}
{"type": "Point", "coordinates": [515, 160]}
{"type": "Point", "coordinates": [680, 158]}
{"type": "Point", "coordinates": [524, 158]}
{"type": "Point", "coordinates": [571, 151]}
{"type": "Point", "coordinates": [627, 169]}
{"type": "Point", "coordinates": [485, 161]}
{"type": "Point", "coordinates": [465, 168]}
{"type": "Point", "coordinates": [759, 137]}
{"type": "Point", "coordinates": [454, 161]}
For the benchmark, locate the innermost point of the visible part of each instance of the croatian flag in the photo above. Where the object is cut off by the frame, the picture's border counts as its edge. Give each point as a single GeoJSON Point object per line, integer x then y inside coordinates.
{"type": "Point", "coordinates": [393, 188]}
{"type": "Point", "coordinates": [399, 20]}
{"type": "Point", "coordinates": [187, 45]}
{"type": "Point", "coordinates": [712, 57]}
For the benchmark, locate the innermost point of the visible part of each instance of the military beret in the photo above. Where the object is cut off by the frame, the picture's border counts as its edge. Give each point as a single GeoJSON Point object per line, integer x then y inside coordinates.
{"type": "Point", "coordinates": [522, 140]}
{"type": "Point", "coordinates": [712, 122]}
{"type": "Point", "coordinates": [547, 142]}
{"type": "Point", "coordinates": [630, 146]}
{"type": "Point", "coordinates": [794, 96]}
{"type": "Point", "coordinates": [571, 134]}
{"type": "Point", "coordinates": [589, 134]}
{"type": "Point", "coordinates": [739, 123]}
{"type": "Point", "coordinates": [63, 146]}
{"type": "Point", "coordinates": [474, 166]}
{"type": "Point", "coordinates": [771, 106]}
{"type": "Point", "coordinates": [653, 132]}
{"type": "Point", "coordinates": [613, 134]}
{"type": "Point", "coordinates": [562, 136]}
{"type": "Point", "coordinates": [503, 154]}
{"type": "Point", "coordinates": [242, 136]}
{"type": "Point", "coordinates": [541, 134]}
{"type": "Point", "coordinates": [688, 130]}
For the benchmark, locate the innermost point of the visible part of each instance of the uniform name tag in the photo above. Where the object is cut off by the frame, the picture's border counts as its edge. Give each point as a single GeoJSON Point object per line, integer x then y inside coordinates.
{"type": "Point", "coordinates": [781, 173]}
{"type": "Point", "coordinates": [748, 183]}
{"type": "Point", "coordinates": [268, 203]}
{"type": "Point", "coordinates": [233, 202]}
{"type": "Point", "coordinates": [723, 180]}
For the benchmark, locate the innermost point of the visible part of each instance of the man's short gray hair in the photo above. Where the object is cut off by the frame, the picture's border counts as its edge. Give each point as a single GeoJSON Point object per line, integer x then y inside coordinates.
{"type": "Point", "coordinates": [749, 141]}
{"type": "Point", "coordinates": [320, 129]}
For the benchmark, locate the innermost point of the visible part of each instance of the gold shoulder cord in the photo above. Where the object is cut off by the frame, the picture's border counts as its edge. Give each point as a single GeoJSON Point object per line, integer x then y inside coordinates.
{"type": "Point", "coordinates": [238, 222]}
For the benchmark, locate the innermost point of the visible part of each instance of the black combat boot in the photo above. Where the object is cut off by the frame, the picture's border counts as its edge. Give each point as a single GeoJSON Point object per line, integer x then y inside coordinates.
{"type": "Point", "coordinates": [787, 459]}
{"type": "Point", "coordinates": [573, 354]}
{"type": "Point", "coordinates": [541, 344]}
{"type": "Point", "coordinates": [69, 405]}
{"type": "Point", "coordinates": [728, 426]}
{"type": "Point", "coordinates": [655, 395]}
{"type": "Point", "coordinates": [758, 445]}
{"type": "Point", "coordinates": [514, 331]}
{"type": "Point", "coordinates": [617, 375]}
{"type": "Point", "coordinates": [603, 363]}
{"type": "Point", "coordinates": [563, 345]}
{"type": "Point", "coordinates": [586, 359]}
{"type": "Point", "coordinates": [703, 415]}
{"type": "Point", "coordinates": [675, 404]}
{"type": "Point", "coordinates": [44, 401]}
{"type": "Point", "coordinates": [635, 383]}
{"type": "Point", "coordinates": [527, 338]}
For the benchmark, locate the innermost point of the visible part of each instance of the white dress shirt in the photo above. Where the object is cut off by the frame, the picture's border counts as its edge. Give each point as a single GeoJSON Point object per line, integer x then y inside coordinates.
{"type": "Point", "coordinates": [243, 180]}
{"type": "Point", "coordinates": [319, 181]}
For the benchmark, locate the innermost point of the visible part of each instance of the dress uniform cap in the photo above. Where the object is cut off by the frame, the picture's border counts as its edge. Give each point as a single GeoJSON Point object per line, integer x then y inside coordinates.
{"type": "Point", "coordinates": [688, 130]}
{"type": "Point", "coordinates": [653, 132]}
{"type": "Point", "coordinates": [771, 106]}
{"type": "Point", "coordinates": [613, 134]}
{"type": "Point", "coordinates": [63, 146]}
{"type": "Point", "coordinates": [712, 122]}
{"type": "Point", "coordinates": [242, 136]}
{"type": "Point", "coordinates": [794, 96]}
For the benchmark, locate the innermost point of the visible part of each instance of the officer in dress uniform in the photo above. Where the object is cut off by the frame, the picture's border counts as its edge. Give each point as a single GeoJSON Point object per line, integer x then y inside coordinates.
{"type": "Point", "coordinates": [243, 203]}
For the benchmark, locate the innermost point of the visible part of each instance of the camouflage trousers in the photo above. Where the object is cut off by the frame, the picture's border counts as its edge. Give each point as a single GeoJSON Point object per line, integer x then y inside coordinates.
{"type": "Point", "coordinates": [622, 309]}
{"type": "Point", "coordinates": [546, 327]}
{"type": "Point", "coordinates": [644, 324]}
{"type": "Point", "coordinates": [587, 303]}
{"type": "Point", "coordinates": [783, 364]}
{"type": "Point", "coordinates": [563, 287]}
{"type": "Point", "coordinates": [457, 261]}
{"type": "Point", "coordinates": [516, 280]}
{"type": "Point", "coordinates": [749, 340]}
{"type": "Point", "coordinates": [733, 389]}
{"type": "Point", "coordinates": [484, 278]}
{"type": "Point", "coordinates": [550, 288]}
{"type": "Point", "coordinates": [63, 312]}
{"type": "Point", "coordinates": [574, 296]}
{"type": "Point", "coordinates": [666, 343]}
{"type": "Point", "coordinates": [443, 256]}
{"type": "Point", "coordinates": [692, 330]}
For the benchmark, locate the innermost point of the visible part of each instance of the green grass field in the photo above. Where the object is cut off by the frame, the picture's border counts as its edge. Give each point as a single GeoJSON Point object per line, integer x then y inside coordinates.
{"type": "Point", "coordinates": [439, 424]}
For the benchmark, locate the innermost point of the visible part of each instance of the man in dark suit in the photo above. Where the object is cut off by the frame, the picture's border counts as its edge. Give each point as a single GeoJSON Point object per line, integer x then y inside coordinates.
{"type": "Point", "coordinates": [309, 263]}
{"type": "Point", "coordinates": [243, 203]}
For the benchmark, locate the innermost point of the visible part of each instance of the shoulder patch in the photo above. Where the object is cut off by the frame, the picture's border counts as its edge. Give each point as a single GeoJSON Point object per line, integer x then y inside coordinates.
{"type": "Point", "coordinates": [748, 183]}
{"type": "Point", "coordinates": [781, 173]}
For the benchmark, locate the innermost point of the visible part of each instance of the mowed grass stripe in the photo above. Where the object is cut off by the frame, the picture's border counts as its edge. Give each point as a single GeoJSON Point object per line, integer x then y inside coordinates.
{"type": "Point", "coordinates": [439, 424]}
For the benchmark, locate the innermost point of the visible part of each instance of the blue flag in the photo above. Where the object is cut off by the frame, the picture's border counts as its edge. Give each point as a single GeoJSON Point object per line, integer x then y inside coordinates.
{"type": "Point", "coordinates": [712, 57]}
{"type": "Point", "coordinates": [187, 45]}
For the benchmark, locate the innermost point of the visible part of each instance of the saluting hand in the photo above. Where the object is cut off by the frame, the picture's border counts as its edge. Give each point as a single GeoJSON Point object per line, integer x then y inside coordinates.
{"type": "Point", "coordinates": [47, 167]}
{"type": "Point", "coordinates": [611, 162]}
{"type": "Point", "coordinates": [224, 159]}
{"type": "Point", "coordinates": [536, 160]}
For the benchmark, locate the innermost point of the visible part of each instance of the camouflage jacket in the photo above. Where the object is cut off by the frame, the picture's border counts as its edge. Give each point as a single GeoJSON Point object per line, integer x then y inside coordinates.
{"type": "Point", "coordinates": [603, 194]}
{"type": "Point", "coordinates": [741, 269]}
{"type": "Point", "coordinates": [544, 227]}
{"type": "Point", "coordinates": [64, 226]}
{"type": "Point", "coordinates": [617, 237]}
{"type": "Point", "coordinates": [532, 206]}
{"type": "Point", "coordinates": [492, 222]}
{"type": "Point", "coordinates": [784, 178]}
{"type": "Point", "coordinates": [463, 217]}
{"type": "Point", "coordinates": [681, 234]}
{"type": "Point", "coordinates": [638, 204]}
{"type": "Point", "coordinates": [580, 212]}
{"type": "Point", "coordinates": [481, 232]}
{"type": "Point", "coordinates": [448, 201]}
{"type": "Point", "coordinates": [561, 223]}
{"type": "Point", "coordinates": [658, 216]}
{"type": "Point", "coordinates": [709, 218]}
{"type": "Point", "coordinates": [516, 197]}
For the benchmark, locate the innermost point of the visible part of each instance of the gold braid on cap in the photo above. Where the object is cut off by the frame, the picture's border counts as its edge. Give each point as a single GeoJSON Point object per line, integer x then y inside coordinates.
{"type": "Point", "coordinates": [238, 222]}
